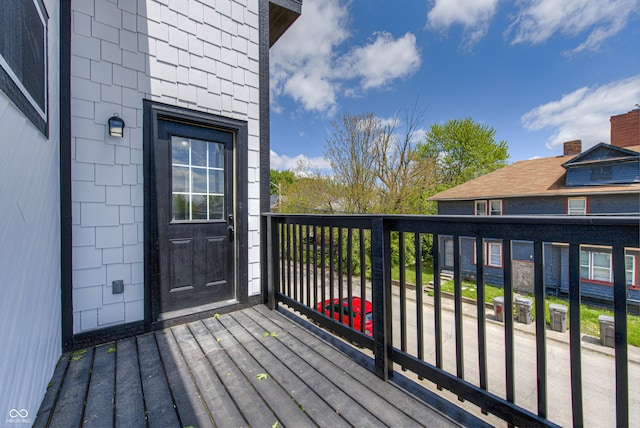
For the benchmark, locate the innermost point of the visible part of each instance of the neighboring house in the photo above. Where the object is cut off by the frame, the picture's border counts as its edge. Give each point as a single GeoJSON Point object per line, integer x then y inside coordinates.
{"type": "Point", "coordinates": [603, 180]}
{"type": "Point", "coordinates": [111, 234]}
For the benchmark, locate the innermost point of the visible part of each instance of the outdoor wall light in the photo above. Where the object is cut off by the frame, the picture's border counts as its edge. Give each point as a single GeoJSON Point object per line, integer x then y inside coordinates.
{"type": "Point", "coordinates": [116, 126]}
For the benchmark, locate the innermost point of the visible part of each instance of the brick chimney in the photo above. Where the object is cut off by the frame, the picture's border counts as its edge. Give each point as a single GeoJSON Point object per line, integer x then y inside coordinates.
{"type": "Point", "coordinates": [625, 129]}
{"type": "Point", "coordinates": [573, 147]}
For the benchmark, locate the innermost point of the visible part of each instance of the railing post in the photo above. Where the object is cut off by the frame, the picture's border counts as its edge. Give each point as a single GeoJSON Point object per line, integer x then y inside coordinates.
{"type": "Point", "coordinates": [381, 296]}
{"type": "Point", "coordinates": [272, 261]}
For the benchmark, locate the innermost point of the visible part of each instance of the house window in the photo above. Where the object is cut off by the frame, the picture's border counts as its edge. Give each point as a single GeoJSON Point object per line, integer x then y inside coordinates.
{"type": "Point", "coordinates": [197, 179]}
{"type": "Point", "coordinates": [492, 254]}
{"type": "Point", "coordinates": [595, 265]}
{"type": "Point", "coordinates": [23, 58]}
{"type": "Point", "coordinates": [577, 206]}
{"type": "Point", "coordinates": [447, 249]}
{"type": "Point", "coordinates": [495, 207]}
{"type": "Point", "coordinates": [631, 269]}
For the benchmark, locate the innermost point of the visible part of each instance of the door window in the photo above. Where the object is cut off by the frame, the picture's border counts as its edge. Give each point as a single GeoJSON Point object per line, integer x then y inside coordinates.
{"type": "Point", "coordinates": [197, 176]}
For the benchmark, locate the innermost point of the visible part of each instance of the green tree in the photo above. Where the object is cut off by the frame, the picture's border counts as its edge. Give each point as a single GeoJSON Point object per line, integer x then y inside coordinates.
{"type": "Point", "coordinates": [280, 179]}
{"type": "Point", "coordinates": [462, 150]}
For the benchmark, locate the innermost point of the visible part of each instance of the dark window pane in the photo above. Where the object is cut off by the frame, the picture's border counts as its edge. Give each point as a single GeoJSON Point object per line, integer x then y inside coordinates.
{"type": "Point", "coordinates": [216, 207]}
{"type": "Point", "coordinates": [180, 179]}
{"type": "Point", "coordinates": [216, 155]}
{"type": "Point", "coordinates": [180, 150]}
{"type": "Point", "coordinates": [198, 153]}
{"type": "Point", "coordinates": [199, 207]}
{"type": "Point", "coordinates": [199, 176]}
{"type": "Point", "coordinates": [216, 181]}
{"type": "Point", "coordinates": [180, 207]}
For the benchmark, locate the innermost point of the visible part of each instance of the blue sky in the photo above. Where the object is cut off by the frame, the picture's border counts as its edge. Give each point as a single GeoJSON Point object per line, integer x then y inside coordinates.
{"type": "Point", "coordinates": [540, 72]}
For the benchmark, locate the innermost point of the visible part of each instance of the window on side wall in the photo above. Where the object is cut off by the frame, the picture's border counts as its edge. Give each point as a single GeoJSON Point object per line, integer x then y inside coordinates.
{"type": "Point", "coordinates": [23, 58]}
{"type": "Point", "coordinates": [595, 264]}
{"type": "Point", "coordinates": [577, 206]}
{"type": "Point", "coordinates": [631, 268]}
{"type": "Point", "coordinates": [447, 250]}
{"type": "Point", "coordinates": [495, 207]}
{"type": "Point", "coordinates": [481, 208]}
{"type": "Point", "coordinates": [492, 254]}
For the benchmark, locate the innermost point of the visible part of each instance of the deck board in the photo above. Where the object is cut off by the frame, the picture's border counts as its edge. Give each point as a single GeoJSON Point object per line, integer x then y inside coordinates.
{"type": "Point", "coordinates": [339, 403]}
{"type": "Point", "coordinates": [254, 410]}
{"type": "Point", "coordinates": [189, 406]}
{"type": "Point", "coordinates": [129, 401]}
{"type": "Point", "coordinates": [157, 395]}
{"type": "Point", "coordinates": [99, 408]}
{"type": "Point", "coordinates": [205, 374]}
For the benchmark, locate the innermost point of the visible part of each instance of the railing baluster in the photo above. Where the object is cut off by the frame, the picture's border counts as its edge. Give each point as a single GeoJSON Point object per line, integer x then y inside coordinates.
{"type": "Point", "coordinates": [331, 270]}
{"type": "Point", "coordinates": [308, 265]}
{"type": "Point", "coordinates": [481, 314]}
{"type": "Point", "coordinates": [289, 226]}
{"type": "Point", "coordinates": [323, 267]}
{"type": "Point", "coordinates": [437, 303]}
{"type": "Point", "coordinates": [295, 260]}
{"type": "Point", "coordinates": [457, 285]}
{"type": "Point", "coordinates": [403, 293]}
{"type": "Point", "coordinates": [350, 275]}
{"type": "Point", "coordinates": [340, 273]}
{"type": "Point", "coordinates": [419, 305]}
{"type": "Point", "coordinates": [315, 265]}
{"type": "Point", "coordinates": [574, 334]}
{"type": "Point", "coordinates": [508, 321]}
{"type": "Point", "coordinates": [620, 328]}
{"type": "Point", "coordinates": [363, 276]}
{"type": "Point", "coordinates": [541, 345]}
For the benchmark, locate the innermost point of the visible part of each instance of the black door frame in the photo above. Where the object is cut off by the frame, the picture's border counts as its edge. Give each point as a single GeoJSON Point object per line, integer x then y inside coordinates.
{"type": "Point", "coordinates": [153, 111]}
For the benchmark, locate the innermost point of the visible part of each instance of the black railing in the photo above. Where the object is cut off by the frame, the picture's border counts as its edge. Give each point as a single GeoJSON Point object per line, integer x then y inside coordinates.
{"type": "Point", "coordinates": [316, 259]}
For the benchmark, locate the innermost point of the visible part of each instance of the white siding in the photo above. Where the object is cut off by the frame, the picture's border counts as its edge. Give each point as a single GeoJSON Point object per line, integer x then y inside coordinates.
{"type": "Point", "coordinates": [30, 248]}
{"type": "Point", "coordinates": [201, 55]}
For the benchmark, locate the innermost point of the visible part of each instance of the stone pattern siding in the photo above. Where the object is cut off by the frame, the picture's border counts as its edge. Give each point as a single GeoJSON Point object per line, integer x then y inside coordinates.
{"type": "Point", "coordinates": [201, 55]}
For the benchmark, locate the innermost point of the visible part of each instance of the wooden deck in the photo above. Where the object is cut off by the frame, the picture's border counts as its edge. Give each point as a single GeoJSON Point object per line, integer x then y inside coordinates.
{"type": "Point", "coordinates": [253, 367]}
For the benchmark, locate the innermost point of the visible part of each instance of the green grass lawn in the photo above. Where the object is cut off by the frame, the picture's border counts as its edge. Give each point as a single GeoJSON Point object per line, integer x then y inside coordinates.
{"type": "Point", "coordinates": [588, 314]}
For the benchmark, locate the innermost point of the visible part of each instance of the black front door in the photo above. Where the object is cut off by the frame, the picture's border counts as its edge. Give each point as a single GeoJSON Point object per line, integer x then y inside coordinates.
{"type": "Point", "coordinates": [193, 174]}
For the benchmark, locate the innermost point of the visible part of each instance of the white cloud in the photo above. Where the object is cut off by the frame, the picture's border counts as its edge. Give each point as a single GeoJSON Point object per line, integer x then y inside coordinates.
{"type": "Point", "coordinates": [383, 60]}
{"type": "Point", "coordinates": [538, 20]}
{"type": "Point", "coordinates": [474, 15]}
{"type": "Point", "coordinates": [284, 162]}
{"type": "Point", "coordinates": [312, 64]}
{"type": "Point", "coordinates": [584, 113]}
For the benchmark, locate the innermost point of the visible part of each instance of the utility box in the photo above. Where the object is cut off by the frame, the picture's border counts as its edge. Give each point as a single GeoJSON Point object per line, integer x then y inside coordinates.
{"type": "Point", "coordinates": [558, 317]}
{"type": "Point", "coordinates": [498, 308]}
{"type": "Point", "coordinates": [607, 331]}
{"type": "Point", "coordinates": [524, 307]}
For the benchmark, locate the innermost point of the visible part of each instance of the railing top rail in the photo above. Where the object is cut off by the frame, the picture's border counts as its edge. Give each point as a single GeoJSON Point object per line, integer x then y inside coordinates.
{"type": "Point", "coordinates": [595, 230]}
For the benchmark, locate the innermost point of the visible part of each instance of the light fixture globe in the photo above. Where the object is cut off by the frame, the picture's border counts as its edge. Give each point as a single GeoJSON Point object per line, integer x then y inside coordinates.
{"type": "Point", "coordinates": [116, 126]}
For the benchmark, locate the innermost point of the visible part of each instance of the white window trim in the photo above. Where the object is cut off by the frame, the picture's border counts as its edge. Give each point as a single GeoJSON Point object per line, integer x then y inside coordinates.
{"type": "Point", "coordinates": [489, 206]}
{"type": "Point", "coordinates": [487, 254]}
{"type": "Point", "coordinates": [590, 266]}
{"type": "Point", "coordinates": [571, 211]}
{"type": "Point", "coordinates": [486, 207]}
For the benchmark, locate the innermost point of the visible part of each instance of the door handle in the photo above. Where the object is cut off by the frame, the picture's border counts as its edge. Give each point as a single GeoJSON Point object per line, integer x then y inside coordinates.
{"type": "Point", "coordinates": [230, 229]}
